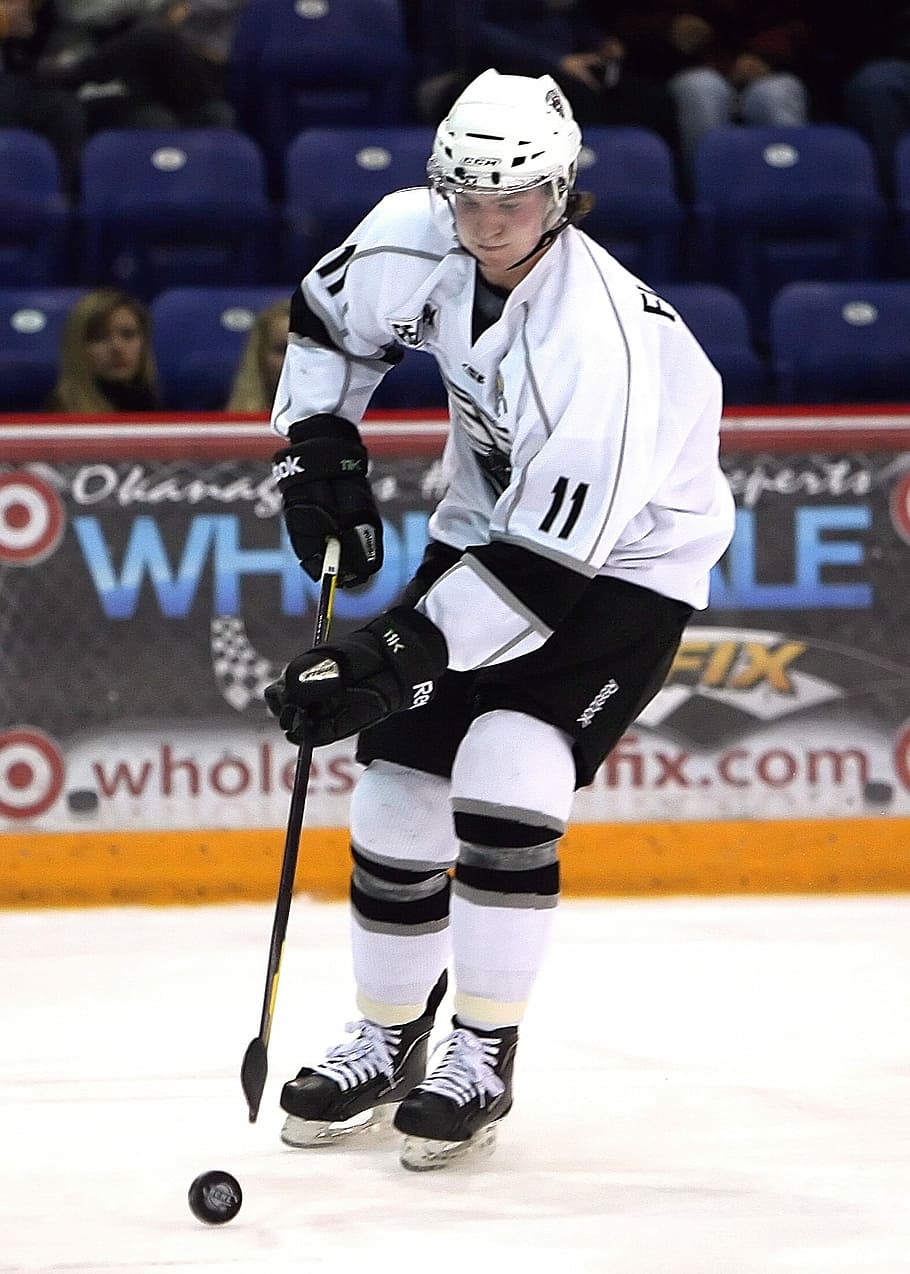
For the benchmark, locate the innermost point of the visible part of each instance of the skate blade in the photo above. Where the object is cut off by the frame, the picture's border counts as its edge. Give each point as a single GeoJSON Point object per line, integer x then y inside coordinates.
{"type": "Point", "coordinates": [422, 1154]}
{"type": "Point", "coordinates": [310, 1134]}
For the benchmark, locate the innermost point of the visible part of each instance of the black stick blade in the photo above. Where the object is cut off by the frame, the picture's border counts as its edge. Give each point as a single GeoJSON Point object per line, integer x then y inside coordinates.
{"type": "Point", "coordinates": [253, 1074]}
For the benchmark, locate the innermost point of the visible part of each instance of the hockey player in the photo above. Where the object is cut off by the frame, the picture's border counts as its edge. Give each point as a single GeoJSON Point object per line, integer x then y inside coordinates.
{"type": "Point", "coordinates": [584, 511]}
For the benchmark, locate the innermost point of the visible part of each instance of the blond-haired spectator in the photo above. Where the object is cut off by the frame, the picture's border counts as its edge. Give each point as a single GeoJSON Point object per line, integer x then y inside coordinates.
{"type": "Point", "coordinates": [106, 359]}
{"type": "Point", "coordinates": [260, 364]}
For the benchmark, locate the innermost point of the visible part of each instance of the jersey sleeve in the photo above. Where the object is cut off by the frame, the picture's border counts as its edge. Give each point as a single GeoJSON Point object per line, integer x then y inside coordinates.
{"type": "Point", "coordinates": [339, 347]}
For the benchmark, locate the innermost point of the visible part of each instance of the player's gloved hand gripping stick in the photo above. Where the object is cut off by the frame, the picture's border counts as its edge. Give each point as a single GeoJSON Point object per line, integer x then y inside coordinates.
{"type": "Point", "coordinates": [255, 1061]}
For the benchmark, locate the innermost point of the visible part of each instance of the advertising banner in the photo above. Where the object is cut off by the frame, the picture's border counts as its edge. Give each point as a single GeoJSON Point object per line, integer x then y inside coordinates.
{"type": "Point", "coordinates": [148, 593]}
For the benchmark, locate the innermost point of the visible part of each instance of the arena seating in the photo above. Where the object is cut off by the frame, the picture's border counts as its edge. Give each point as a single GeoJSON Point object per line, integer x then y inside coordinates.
{"type": "Point", "coordinates": [34, 215]}
{"type": "Point", "coordinates": [199, 334]}
{"type": "Point", "coordinates": [638, 215]}
{"type": "Point", "coordinates": [777, 205]}
{"type": "Point", "coordinates": [31, 324]}
{"type": "Point", "coordinates": [308, 63]}
{"type": "Point", "coordinates": [842, 342]}
{"type": "Point", "coordinates": [164, 208]}
{"type": "Point", "coordinates": [186, 219]}
{"type": "Point", "coordinates": [720, 323]}
{"type": "Point", "coordinates": [355, 168]}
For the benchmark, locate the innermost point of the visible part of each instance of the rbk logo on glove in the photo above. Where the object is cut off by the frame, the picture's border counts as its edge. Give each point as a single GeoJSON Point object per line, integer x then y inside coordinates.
{"type": "Point", "coordinates": [286, 468]}
{"type": "Point", "coordinates": [322, 477]}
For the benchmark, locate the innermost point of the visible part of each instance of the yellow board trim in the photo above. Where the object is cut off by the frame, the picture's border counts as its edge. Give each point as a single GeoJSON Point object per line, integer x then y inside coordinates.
{"type": "Point", "coordinates": [71, 869]}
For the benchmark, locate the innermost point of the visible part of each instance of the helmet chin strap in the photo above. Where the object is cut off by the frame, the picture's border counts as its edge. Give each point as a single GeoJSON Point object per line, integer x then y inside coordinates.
{"type": "Point", "coordinates": [548, 237]}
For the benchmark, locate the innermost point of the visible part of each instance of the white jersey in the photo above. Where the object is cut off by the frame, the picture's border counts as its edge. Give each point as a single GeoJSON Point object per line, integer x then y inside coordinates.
{"type": "Point", "coordinates": [584, 421]}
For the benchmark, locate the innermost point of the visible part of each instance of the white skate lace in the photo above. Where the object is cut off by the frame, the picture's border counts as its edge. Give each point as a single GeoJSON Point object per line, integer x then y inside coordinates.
{"type": "Point", "coordinates": [466, 1071]}
{"type": "Point", "coordinates": [368, 1054]}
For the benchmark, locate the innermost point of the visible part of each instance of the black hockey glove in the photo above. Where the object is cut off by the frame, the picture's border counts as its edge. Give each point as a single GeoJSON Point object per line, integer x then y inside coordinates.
{"type": "Point", "coordinates": [339, 688]}
{"type": "Point", "coordinates": [322, 477]}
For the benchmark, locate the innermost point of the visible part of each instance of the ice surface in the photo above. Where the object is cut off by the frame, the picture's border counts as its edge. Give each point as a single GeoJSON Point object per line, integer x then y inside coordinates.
{"type": "Point", "coordinates": [704, 1086]}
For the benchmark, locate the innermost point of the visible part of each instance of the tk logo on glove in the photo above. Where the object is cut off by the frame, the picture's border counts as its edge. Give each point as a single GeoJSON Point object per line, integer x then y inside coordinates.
{"type": "Point", "coordinates": [393, 641]}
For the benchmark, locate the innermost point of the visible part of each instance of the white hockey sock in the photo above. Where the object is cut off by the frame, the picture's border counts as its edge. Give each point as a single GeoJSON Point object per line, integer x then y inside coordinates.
{"type": "Point", "coordinates": [512, 788]}
{"type": "Point", "coordinates": [402, 843]}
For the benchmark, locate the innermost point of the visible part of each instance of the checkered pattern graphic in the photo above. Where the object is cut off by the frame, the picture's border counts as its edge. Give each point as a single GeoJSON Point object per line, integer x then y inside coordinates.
{"type": "Point", "coordinates": [241, 673]}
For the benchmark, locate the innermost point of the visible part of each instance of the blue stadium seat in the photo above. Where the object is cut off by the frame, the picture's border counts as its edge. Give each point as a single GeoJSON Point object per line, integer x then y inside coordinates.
{"type": "Point", "coordinates": [167, 208]}
{"type": "Point", "coordinates": [415, 384]}
{"type": "Point", "coordinates": [34, 214]}
{"type": "Point", "coordinates": [902, 201]}
{"type": "Point", "coordinates": [638, 216]}
{"type": "Point", "coordinates": [841, 342]}
{"type": "Point", "coordinates": [334, 176]}
{"type": "Point", "coordinates": [780, 205]}
{"type": "Point", "coordinates": [31, 325]}
{"type": "Point", "coordinates": [299, 64]}
{"type": "Point", "coordinates": [198, 336]}
{"type": "Point", "coordinates": [719, 322]}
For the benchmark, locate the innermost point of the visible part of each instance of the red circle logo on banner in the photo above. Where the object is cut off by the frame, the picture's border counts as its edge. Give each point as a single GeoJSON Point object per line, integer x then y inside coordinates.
{"type": "Point", "coordinates": [31, 519]}
{"type": "Point", "coordinates": [900, 507]}
{"type": "Point", "coordinates": [31, 773]}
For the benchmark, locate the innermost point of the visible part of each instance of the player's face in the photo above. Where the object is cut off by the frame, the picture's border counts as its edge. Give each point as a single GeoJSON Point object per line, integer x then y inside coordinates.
{"type": "Point", "coordinates": [116, 353]}
{"type": "Point", "coordinates": [500, 229]}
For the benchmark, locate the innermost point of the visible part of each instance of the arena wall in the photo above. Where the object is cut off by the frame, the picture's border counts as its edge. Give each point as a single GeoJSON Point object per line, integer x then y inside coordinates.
{"type": "Point", "coordinates": [147, 593]}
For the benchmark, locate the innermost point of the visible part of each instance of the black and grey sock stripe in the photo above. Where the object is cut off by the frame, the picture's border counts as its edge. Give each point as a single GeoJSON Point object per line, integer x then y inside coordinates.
{"type": "Point", "coordinates": [390, 898]}
{"type": "Point", "coordinates": [507, 860]}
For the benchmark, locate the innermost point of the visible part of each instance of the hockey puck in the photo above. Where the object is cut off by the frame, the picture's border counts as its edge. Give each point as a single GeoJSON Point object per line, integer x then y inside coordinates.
{"type": "Point", "coordinates": [215, 1197]}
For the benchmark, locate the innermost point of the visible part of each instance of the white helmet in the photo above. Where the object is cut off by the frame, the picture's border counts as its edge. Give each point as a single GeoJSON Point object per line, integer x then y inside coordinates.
{"type": "Point", "coordinates": [507, 132]}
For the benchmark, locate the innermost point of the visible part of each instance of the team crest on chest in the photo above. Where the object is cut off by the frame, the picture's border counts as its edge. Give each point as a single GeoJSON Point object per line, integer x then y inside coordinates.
{"type": "Point", "coordinates": [413, 332]}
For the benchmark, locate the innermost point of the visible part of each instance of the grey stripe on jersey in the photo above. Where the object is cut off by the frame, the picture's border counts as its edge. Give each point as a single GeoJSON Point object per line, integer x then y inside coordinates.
{"type": "Point", "coordinates": [532, 379]}
{"type": "Point", "coordinates": [403, 252]}
{"type": "Point", "coordinates": [541, 411]}
{"type": "Point", "coordinates": [625, 419]}
{"type": "Point", "coordinates": [499, 655]}
{"type": "Point", "coordinates": [496, 586]}
{"type": "Point", "coordinates": [336, 334]}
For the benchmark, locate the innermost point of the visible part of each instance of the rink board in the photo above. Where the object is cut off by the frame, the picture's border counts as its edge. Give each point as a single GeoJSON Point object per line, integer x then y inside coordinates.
{"type": "Point", "coordinates": [148, 558]}
{"type": "Point", "coordinates": [623, 859]}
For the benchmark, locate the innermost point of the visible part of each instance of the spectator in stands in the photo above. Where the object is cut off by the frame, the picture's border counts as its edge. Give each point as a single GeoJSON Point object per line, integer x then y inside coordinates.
{"type": "Point", "coordinates": [106, 360]}
{"type": "Point", "coordinates": [141, 63]}
{"type": "Point", "coordinates": [735, 63]}
{"type": "Point", "coordinates": [27, 103]}
{"type": "Point", "coordinates": [572, 40]}
{"type": "Point", "coordinates": [261, 362]}
{"type": "Point", "coordinates": [876, 85]}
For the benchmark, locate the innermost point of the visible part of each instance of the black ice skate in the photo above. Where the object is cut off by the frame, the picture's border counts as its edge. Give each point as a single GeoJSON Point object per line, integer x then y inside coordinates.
{"type": "Point", "coordinates": [357, 1084]}
{"type": "Point", "coordinates": [455, 1111]}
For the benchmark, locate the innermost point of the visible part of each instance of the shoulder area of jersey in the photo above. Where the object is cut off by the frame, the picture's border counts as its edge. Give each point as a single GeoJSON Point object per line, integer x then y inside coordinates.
{"type": "Point", "coordinates": [412, 218]}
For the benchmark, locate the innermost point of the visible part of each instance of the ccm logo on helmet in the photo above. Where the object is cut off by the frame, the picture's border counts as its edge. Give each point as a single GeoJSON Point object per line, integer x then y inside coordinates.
{"type": "Point", "coordinates": [481, 160]}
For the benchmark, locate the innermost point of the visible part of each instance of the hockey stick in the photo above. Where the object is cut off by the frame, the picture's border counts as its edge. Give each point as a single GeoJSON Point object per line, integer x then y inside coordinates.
{"type": "Point", "coordinates": [255, 1066]}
